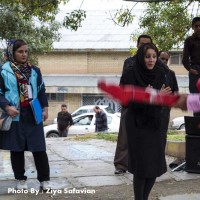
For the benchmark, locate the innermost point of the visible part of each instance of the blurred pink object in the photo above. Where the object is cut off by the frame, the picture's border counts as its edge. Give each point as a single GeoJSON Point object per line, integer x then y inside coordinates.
{"type": "Point", "coordinates": [193, 102]}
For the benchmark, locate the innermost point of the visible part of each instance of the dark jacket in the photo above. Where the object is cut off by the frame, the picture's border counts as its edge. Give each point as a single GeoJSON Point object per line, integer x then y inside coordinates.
{"type": "Point", "coordinates": [191, 51]}
{"type": "Point", "coordinates": [101, 122]}
{"type": "Point", "coordinates": [64, 120]}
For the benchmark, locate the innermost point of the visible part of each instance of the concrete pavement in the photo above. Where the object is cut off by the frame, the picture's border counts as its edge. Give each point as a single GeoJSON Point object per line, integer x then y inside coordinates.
{"type": "Point", "coordinates": [78, 165]}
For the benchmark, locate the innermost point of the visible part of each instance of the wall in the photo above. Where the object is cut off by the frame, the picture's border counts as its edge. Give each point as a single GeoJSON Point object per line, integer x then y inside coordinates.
{"type": "Point", "coordinates": [87, 62]}
{"type": "Point", "coordinates": [178, 69]}
{"type": "Point", "coordinates": [82, 62]}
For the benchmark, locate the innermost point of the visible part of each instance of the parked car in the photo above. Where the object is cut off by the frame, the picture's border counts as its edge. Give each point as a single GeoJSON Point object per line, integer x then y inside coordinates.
{"type": "Point", "coordinates": [89, 109]}
{"type": "Point", "coordinates": [83, 124]}
{"type": "Point", "coordinates": [177, 123]}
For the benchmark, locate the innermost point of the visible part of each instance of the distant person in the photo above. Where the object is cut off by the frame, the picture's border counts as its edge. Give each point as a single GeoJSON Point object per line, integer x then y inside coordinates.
{"type": "Point", "coordinates": [191, 57]}
{"type": "Point", "coordinates": [164, 56]}
{"type": "Point", "coordinates": [172, 83]}
{"type": "Point", "coordinates": [64, 120]}
{"type": "Point", "coordinates": [121, 153]}
{"type": "Point", "coordinates": [101, 120]}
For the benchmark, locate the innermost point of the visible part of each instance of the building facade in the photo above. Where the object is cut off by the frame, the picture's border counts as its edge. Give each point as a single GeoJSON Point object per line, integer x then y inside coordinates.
{"type": "Point", "coordinates": [95, 51]}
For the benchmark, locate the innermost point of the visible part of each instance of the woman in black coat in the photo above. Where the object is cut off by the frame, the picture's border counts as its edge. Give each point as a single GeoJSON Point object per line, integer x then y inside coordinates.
{"type": "Point", "coordinates": [145, 140]}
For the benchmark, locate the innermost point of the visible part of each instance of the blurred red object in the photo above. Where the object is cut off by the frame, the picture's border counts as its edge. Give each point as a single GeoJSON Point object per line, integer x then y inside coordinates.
{"type": "Point", "coordinates": [128, 93]}
{"type": "Point", "coordinates": [198, 85]}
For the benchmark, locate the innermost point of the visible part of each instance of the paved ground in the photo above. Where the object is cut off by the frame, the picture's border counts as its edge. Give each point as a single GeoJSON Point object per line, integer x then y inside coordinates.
{"type": "Point", "coordinates": [84, 170]}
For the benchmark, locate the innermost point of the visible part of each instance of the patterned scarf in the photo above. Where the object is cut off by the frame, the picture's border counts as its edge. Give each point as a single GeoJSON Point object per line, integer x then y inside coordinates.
{"type": "Point", "coordinates": [22, 73]}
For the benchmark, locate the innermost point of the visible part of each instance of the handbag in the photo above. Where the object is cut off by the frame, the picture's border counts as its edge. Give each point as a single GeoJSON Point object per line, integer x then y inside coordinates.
{"type": "Point", "coordinates": [5, 121]}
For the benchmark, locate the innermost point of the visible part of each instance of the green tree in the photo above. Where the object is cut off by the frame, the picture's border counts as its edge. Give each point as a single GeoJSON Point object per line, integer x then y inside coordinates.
{"type": "Point", "coordinates": [34, 21]}
{"type": "Point", "coordinates": [168, 23]}
{"type": "Point", "coordinates": [31, 20]}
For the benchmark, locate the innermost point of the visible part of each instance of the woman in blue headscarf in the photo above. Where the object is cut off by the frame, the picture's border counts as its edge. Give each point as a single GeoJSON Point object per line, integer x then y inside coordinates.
{"type": "Point", "coordinates": [21, 82]}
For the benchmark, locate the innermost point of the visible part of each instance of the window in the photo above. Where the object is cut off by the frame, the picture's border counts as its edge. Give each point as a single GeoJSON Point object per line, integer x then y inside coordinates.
{"type": "Point", "coordinates": [109, 110]}
{"type": "Point", "coordinates": [86, 120]}
{"type": "Point", "coordinates": [90, 99]}
{"type": "Point", "coordinates": [176, 59]}
{"type": "Point", "coordinates": [80, 112]}
{"type": "Point", "coordinates": [55, 96]}
{"type": "Point", "coordinates": [109, 120]}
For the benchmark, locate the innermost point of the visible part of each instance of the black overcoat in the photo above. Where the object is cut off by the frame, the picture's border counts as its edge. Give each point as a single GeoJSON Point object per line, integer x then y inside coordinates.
{"type": "Point", "coordinates": [146, 143]}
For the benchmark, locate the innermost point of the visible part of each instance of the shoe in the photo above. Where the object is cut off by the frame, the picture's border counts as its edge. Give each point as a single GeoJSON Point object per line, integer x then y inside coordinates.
{"type": "Point", "coordinates": [21, 185]}
{"type": "Point", "coordinates": [45, 185]}
{"type": "Point", "coordinates": [120, 171]}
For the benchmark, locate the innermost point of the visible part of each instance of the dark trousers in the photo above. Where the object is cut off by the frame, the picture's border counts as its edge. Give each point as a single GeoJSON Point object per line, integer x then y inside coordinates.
{"type": "Point", "coordinates": [142, 187]}
{"type": "Point", "coordinates": [63, 133]}
{"type": "Point", "coordinates": [193, 83]}
{"type": "Point", "coordinates": [41, 164]}
{"type": "Point", "coordinates": [121, 153]}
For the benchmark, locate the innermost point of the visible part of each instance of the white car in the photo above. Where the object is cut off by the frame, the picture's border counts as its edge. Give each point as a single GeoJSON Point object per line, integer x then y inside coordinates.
{"type": "Point", "coordinates": [177, 123]}
{"type": "Point", "coordinates": [83, 124]}
{"type": "Point", "coordinates": [89, 109]}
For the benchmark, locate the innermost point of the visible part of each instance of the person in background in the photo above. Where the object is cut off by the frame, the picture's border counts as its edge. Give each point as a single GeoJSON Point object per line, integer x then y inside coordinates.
{"type": "Point", "coordinates": [20, 82]}
{"type": "Point", "coordinates": [191, 58]}
{"type": "Point", "coordinates": [172, 83]}
{"type": "Point", "coordinates": [121, 153]}
{"type": "Point", "coordinates": [101, 120]}
{"type": "Point", "coordinates": [146, 149]}
{"type": "Point", "coordinates": [64, 120]}
{"type": "Point", "coordinates": [164, 56]}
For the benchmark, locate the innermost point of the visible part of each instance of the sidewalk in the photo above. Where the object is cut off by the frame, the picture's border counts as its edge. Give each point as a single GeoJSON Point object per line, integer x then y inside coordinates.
{"type": "Point", "coordinates": [79, 168]}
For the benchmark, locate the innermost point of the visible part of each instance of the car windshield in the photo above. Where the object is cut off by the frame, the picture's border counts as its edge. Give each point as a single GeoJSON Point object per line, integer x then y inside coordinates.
{"type": "Point", "coordinates": [85, 120]}
{"type": "Point", "coordinates": [109, 110]}
{"type": "Point", "coordinates": [79, 112]}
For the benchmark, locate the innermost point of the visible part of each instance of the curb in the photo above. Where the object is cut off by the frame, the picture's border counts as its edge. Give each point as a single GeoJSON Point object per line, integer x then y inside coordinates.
{"type": "Point", "coordinates": [175, 149]}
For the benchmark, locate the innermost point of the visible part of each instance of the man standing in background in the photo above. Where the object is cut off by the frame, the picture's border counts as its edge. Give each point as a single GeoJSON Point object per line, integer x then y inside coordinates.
{"type": "Point", "coordinates": [101, 120]}
{"type": "Point", "coordinates": [172, 83]}
{"type": "Point", "coordinates": [191, 57]}
{"type": "Point", "coordinates": [64, 120]}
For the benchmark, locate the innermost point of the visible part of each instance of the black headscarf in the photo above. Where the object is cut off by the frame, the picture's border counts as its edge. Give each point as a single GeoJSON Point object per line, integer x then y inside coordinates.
{"type": "Point", "coordinates": [144, 75]}
{"type": "Point", "coordinates": [147, 116]}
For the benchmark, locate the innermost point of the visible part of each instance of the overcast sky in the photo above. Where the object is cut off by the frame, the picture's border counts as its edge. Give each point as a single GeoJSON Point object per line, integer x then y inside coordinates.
{"type": "Point", "coordinates": [100, 4]}
{"type": "Point", "coordinates": [105, 5]}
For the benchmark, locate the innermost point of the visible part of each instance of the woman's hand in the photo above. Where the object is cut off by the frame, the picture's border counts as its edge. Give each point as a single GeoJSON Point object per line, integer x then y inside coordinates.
{"type": "Point", "coordinates": [12, 111]}
{"type": "Point", "coordinates": [166, 90]}
{"type": "Point", "coordinates": [182, 102]}
{"type": "Point", "coordinates": [149, 86]}
{"type": "Point", "coordinates": [45, 113]}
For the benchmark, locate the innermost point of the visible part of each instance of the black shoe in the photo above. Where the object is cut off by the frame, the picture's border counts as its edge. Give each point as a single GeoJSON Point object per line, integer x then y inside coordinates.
{"type": "Point", "coordinates": [120, 171]}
